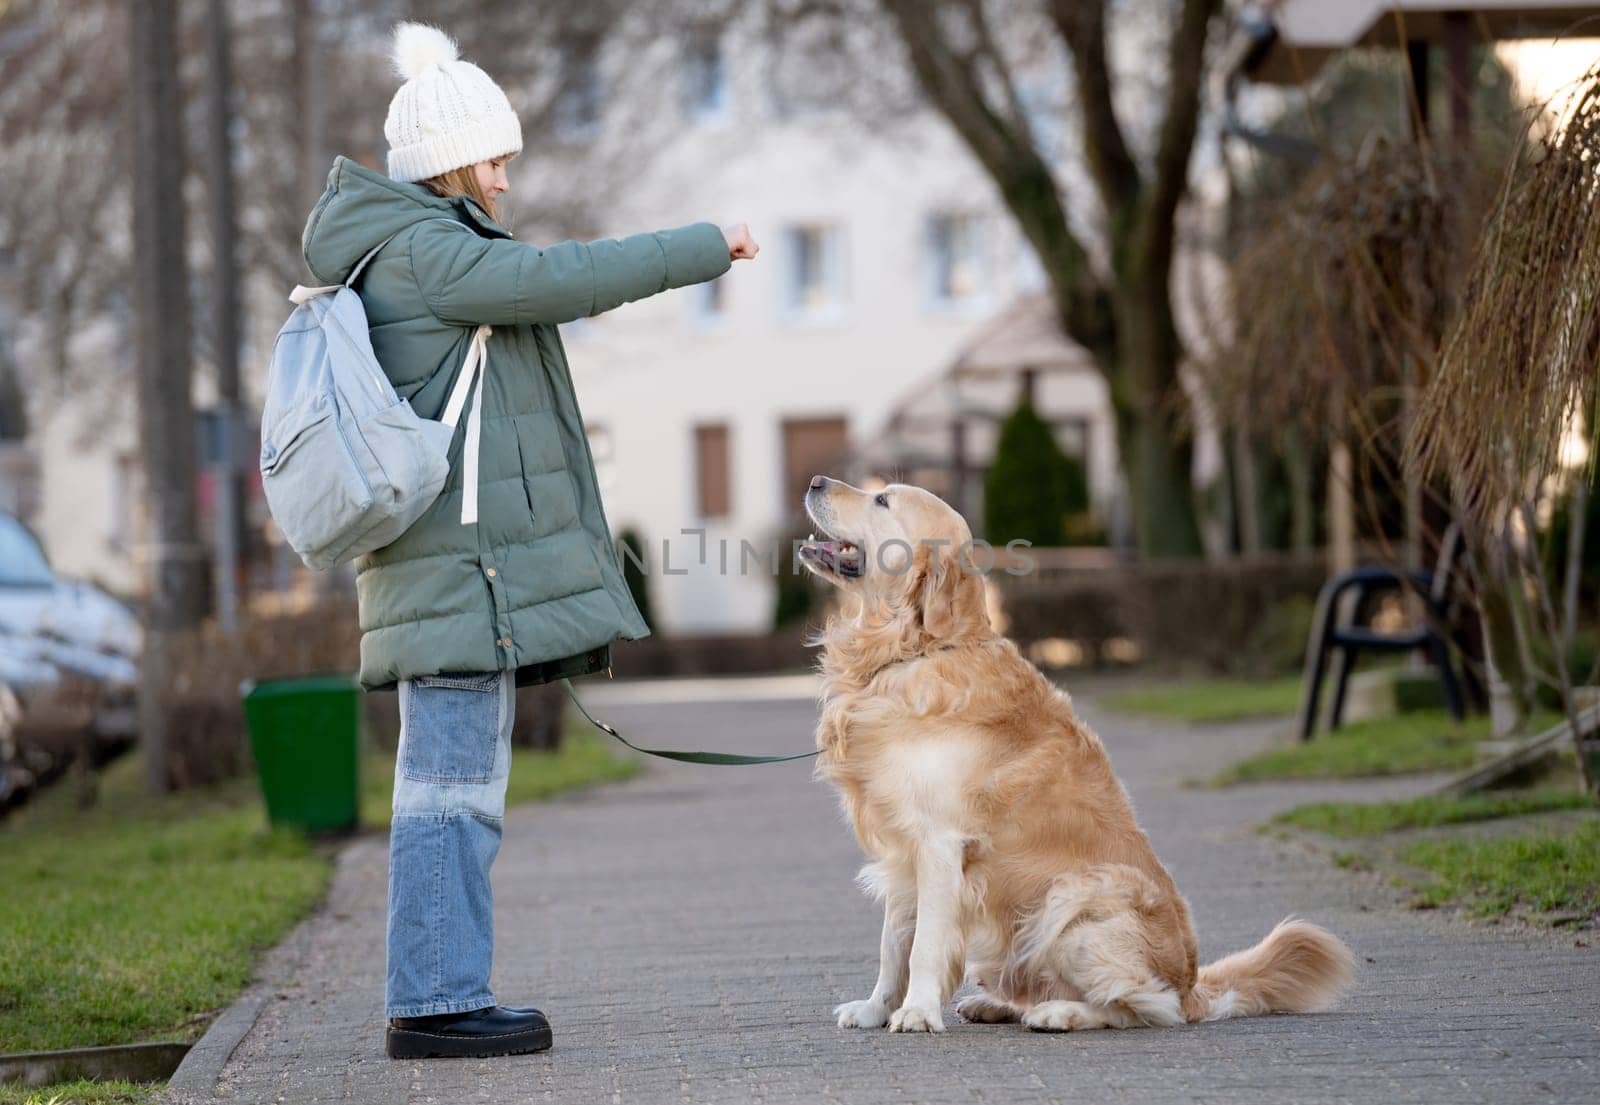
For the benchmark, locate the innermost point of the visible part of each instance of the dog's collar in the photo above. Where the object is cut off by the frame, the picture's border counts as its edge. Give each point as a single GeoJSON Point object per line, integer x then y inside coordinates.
{"type": "Point", "coordinates": [880, 669]}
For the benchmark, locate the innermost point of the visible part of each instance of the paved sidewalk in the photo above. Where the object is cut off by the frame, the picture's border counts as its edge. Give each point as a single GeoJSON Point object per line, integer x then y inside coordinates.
{"type": "Point", "coordinates": [689, 932]}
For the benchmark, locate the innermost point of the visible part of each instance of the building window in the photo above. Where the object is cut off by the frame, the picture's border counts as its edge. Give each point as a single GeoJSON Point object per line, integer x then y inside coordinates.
{"type": "Point", "coordinates": [581, 96]}
{"type": "Point", "coordinates": [811, 446]}
{"type": "Point", "coordinates": [713, 471]}
{"type": "Point", "coordinates": [605, 464]}
{"type": "Point", "coordinates": [956, 269]}
{"type": "Point", "coordinates": [705, 75]}
{"type": "Point", "coordinates": [816, 284]}
{"type": "Point", "coordinates": [710, 300]}
{"type": "Point", "coordinates": [127, 491]}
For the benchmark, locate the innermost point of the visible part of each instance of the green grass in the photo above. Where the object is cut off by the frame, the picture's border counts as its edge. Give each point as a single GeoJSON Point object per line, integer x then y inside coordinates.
{"type": "Point", "coordinates": [139, 918]}
{"type": "Point", "coordinates": [1543, 872]}
{"type": "Point", "coordinates": [1546, 872]}
{"type": "Point", "coordinates": [1355, 819]}
{"type": "Point", "coordinates": [583, 760]}
{"type": "Point", "coordinates": [1427, 740]}
{"type": "Point", "coordinates": [1213, 700]}
{"type": "Point", "coordinates": [81, 1092]}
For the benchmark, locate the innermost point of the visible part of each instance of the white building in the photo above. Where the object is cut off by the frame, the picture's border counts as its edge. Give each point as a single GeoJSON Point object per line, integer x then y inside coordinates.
{"type": "Point", "coordinates": [885, 254]}
{"type": "Point", "coordinates": [710, 408]}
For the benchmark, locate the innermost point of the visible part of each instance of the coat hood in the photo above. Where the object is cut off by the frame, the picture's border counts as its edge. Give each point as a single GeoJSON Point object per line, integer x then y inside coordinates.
{"type": "Point", "coordinates": [361, 207]}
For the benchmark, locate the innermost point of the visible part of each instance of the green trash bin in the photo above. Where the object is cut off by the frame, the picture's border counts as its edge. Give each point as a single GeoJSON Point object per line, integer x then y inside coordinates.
{"type": "Point", "coordinates": [304, 734]}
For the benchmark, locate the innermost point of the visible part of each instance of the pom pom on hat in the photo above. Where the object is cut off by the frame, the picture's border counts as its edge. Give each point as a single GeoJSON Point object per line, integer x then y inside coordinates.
{"type": "Point", "coordinates": [448, 113]}
{"type": "Point", "coordinates": [419, 47]}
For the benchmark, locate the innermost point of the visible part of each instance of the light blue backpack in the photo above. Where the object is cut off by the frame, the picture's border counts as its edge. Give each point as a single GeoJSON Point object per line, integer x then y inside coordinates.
{"type": "Point", "coordinates": [346, 465]}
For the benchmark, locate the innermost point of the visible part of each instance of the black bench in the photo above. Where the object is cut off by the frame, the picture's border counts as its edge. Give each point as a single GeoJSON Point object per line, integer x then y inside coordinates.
{"type": "Point", "coordinates": [1342, 628]}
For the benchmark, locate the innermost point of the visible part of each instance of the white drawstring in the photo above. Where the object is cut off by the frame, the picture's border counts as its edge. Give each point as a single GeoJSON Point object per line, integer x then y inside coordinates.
{"type": "Point", "coordinates": [477, 358]}
{"type": "Point", "coordinates": [302, 293]}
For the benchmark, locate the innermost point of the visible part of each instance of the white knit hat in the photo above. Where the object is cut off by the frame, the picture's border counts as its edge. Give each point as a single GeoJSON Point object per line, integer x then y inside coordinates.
{"type": "Point", "coordinates": [448, 114]}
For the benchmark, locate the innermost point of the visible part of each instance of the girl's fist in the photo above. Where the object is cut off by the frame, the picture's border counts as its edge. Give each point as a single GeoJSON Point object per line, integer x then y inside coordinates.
{"type": "Point", "coordinates": [740, 245]}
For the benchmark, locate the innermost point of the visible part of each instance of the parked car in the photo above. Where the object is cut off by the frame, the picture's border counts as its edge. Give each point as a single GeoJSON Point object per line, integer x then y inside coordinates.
{"type": "Point", "coordinates": [68, 667]}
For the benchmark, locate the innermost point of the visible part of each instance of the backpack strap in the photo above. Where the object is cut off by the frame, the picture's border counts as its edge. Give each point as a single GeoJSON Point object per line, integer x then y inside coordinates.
{"type": "Point", "coordinates": [361, 264]}
{"type": "Point", "coordinates": [476, 365]}
{"type": "Point", "coordinates": [302, 293]}
{"type": "Point", "coordinates": [477, 359]}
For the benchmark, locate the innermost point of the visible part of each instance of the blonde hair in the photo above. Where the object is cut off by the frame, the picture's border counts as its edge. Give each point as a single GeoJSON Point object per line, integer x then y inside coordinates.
{"type": "Point", "coordinates": [462, 181]}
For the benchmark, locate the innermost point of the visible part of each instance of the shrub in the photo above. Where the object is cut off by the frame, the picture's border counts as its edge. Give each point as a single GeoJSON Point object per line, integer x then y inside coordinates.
{"type": "Point", "coordinates": [1238, 617]}
{"type": "Point", "coordinates": [207, 739]}
{"type": "Point", "coordinates": [797, 590]}
{"type": "Point", "coordinates": [632, 554]}
{"type": "Point", "coordinates": [1033, 491]}
{"type": "Point", "coordinates": [206, 735]}
{"type": "Point", "coordinates": [538, 715]}
{"type": "Point", "coordinates": [718, 654]}
{"type": "Point", "coordinates": [1583, 659]}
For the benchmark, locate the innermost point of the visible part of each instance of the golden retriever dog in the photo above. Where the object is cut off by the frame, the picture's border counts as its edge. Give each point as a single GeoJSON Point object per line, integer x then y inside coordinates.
{"type": "Point", "coordinates": [1000, 841]}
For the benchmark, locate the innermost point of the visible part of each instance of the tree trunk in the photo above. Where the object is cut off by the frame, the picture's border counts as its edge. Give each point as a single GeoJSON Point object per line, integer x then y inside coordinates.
{"type": "Point", "coordinates": [1125, 325]}
{"type": "Point", "coordinates": [1247, 493]}
{"type": "Point", "coordinates": [1154, 446]}
{"type": "Point", "coordinates": [230, 533]}
{"type": "Point", "coordinates": [1340, 494]}
{"type": "Point", "coordinates": [1302, 505]}
{"type": "Point", "coordinates": [175, 572]}
{"type": "Point", "coordinates": [1158, 466]}
{"type": "Point", "coordinates": [1511, 691]}
{"type": "Point", "coordinates": [1572, 582]}
{"type": "Point", "coordinates": [307, 98]}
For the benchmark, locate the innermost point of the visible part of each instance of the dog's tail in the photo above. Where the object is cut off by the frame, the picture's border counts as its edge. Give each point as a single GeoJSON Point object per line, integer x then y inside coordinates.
{"type": "Point", "coordinates": [1299, 967]}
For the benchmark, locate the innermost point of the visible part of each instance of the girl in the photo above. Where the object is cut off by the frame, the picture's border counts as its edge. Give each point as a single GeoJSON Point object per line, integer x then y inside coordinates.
{"type": "Point", "coordinates": [511, 577]}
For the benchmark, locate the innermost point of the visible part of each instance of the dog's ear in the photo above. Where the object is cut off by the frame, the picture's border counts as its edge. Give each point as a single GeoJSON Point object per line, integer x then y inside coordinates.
{"type": "Point", "coordinates": [950, 598]}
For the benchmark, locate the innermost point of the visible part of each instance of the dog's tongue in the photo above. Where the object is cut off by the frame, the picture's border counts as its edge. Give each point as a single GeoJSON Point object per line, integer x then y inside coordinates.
{"type": "Point", "coordinates": [837, 553]}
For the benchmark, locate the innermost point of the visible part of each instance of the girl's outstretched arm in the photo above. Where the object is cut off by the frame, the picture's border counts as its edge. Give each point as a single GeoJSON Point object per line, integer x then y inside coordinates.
{"type": "Point", "coordinates": [468, 280]}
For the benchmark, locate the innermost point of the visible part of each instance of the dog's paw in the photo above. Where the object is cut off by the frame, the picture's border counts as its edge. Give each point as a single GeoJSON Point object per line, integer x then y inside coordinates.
{"type": "Point", "coordinates": [981, 1009]}
{"type": "Point", "coordinates": [870, 1013]}
{"type": "Point", "coordinates": [910, 1018]}
{"type": "Point", "coordinates": [1061, 1016]}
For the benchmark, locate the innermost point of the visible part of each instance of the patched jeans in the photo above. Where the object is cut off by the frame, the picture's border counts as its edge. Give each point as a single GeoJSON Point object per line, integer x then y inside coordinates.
{"type": "Point", "coordinates": [449, 798]}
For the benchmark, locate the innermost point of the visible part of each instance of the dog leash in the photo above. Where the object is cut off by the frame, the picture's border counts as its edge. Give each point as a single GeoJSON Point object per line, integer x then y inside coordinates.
{"type": "Point", "coordinates": [721, 759]}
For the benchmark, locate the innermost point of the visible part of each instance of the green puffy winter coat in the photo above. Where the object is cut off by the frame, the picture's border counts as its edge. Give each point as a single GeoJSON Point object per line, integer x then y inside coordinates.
{"type": "Point", "coordinates": [535, 584]}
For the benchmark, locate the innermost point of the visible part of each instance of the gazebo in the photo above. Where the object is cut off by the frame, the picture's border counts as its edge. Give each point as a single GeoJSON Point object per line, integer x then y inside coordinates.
{"type": "Point", "coordinates": [1292, 39]}
{"type": "Point", "coordinates": [942, 433]}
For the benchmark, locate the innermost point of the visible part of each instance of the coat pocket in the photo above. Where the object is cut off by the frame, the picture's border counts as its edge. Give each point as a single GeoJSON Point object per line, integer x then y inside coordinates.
{"type": "Point", "coordinates": [452, 727]}
{"type": "Point", "coordinates": [315, 488]}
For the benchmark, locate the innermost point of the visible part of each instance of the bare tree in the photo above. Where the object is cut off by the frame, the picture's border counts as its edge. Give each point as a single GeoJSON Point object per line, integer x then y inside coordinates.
{"type": "Point", "coordinates": [230, 535]}
{"type": "Point", "coordinates": [312, 80]}
{"type": "Point", "coordinates": [1113, 296]}
{"type": "Point", "coordinates": [1515, 371]}
{"type": "Point", "coordinates": [64, 212]}
{"type": "Point", "coordinates": [166, 414]}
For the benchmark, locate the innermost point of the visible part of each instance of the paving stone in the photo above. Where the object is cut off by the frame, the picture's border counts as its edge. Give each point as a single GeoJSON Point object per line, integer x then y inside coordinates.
{"type": "Point", "coordinates": [689, 932]}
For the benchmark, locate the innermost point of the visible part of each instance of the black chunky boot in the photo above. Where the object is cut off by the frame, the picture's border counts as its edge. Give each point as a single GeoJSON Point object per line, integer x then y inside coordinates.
{"type": "Point", "coordinates": [494, 1030]}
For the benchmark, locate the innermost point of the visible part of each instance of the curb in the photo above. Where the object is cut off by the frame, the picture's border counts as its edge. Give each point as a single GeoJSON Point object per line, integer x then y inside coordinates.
{"type": "Point", "coordinates": [200, 1073]}
{"type": "Point", "coordinates": [197, 1076]}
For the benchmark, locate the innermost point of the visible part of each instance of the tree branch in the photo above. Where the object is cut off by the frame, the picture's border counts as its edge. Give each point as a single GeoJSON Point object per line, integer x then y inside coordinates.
{"type": "Point", "coordinates": [988, 47]}
{"type": "Point", "coordinates": [1025, 182]}
{"type": "Point", "coordinates": [1082, 24]}
{"type": "Point", "coordinates": [1185, 66]}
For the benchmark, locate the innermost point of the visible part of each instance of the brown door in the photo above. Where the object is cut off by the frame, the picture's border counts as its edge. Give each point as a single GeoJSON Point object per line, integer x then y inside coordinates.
{"type": "Point", "coordinates": [811, 446]}
{"type": "Point", "coordinates": [713, 470]}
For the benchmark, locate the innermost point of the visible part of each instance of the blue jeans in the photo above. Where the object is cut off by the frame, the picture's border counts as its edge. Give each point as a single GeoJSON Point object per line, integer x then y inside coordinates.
{"type": "Point", "coordinates": [449, 798]}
